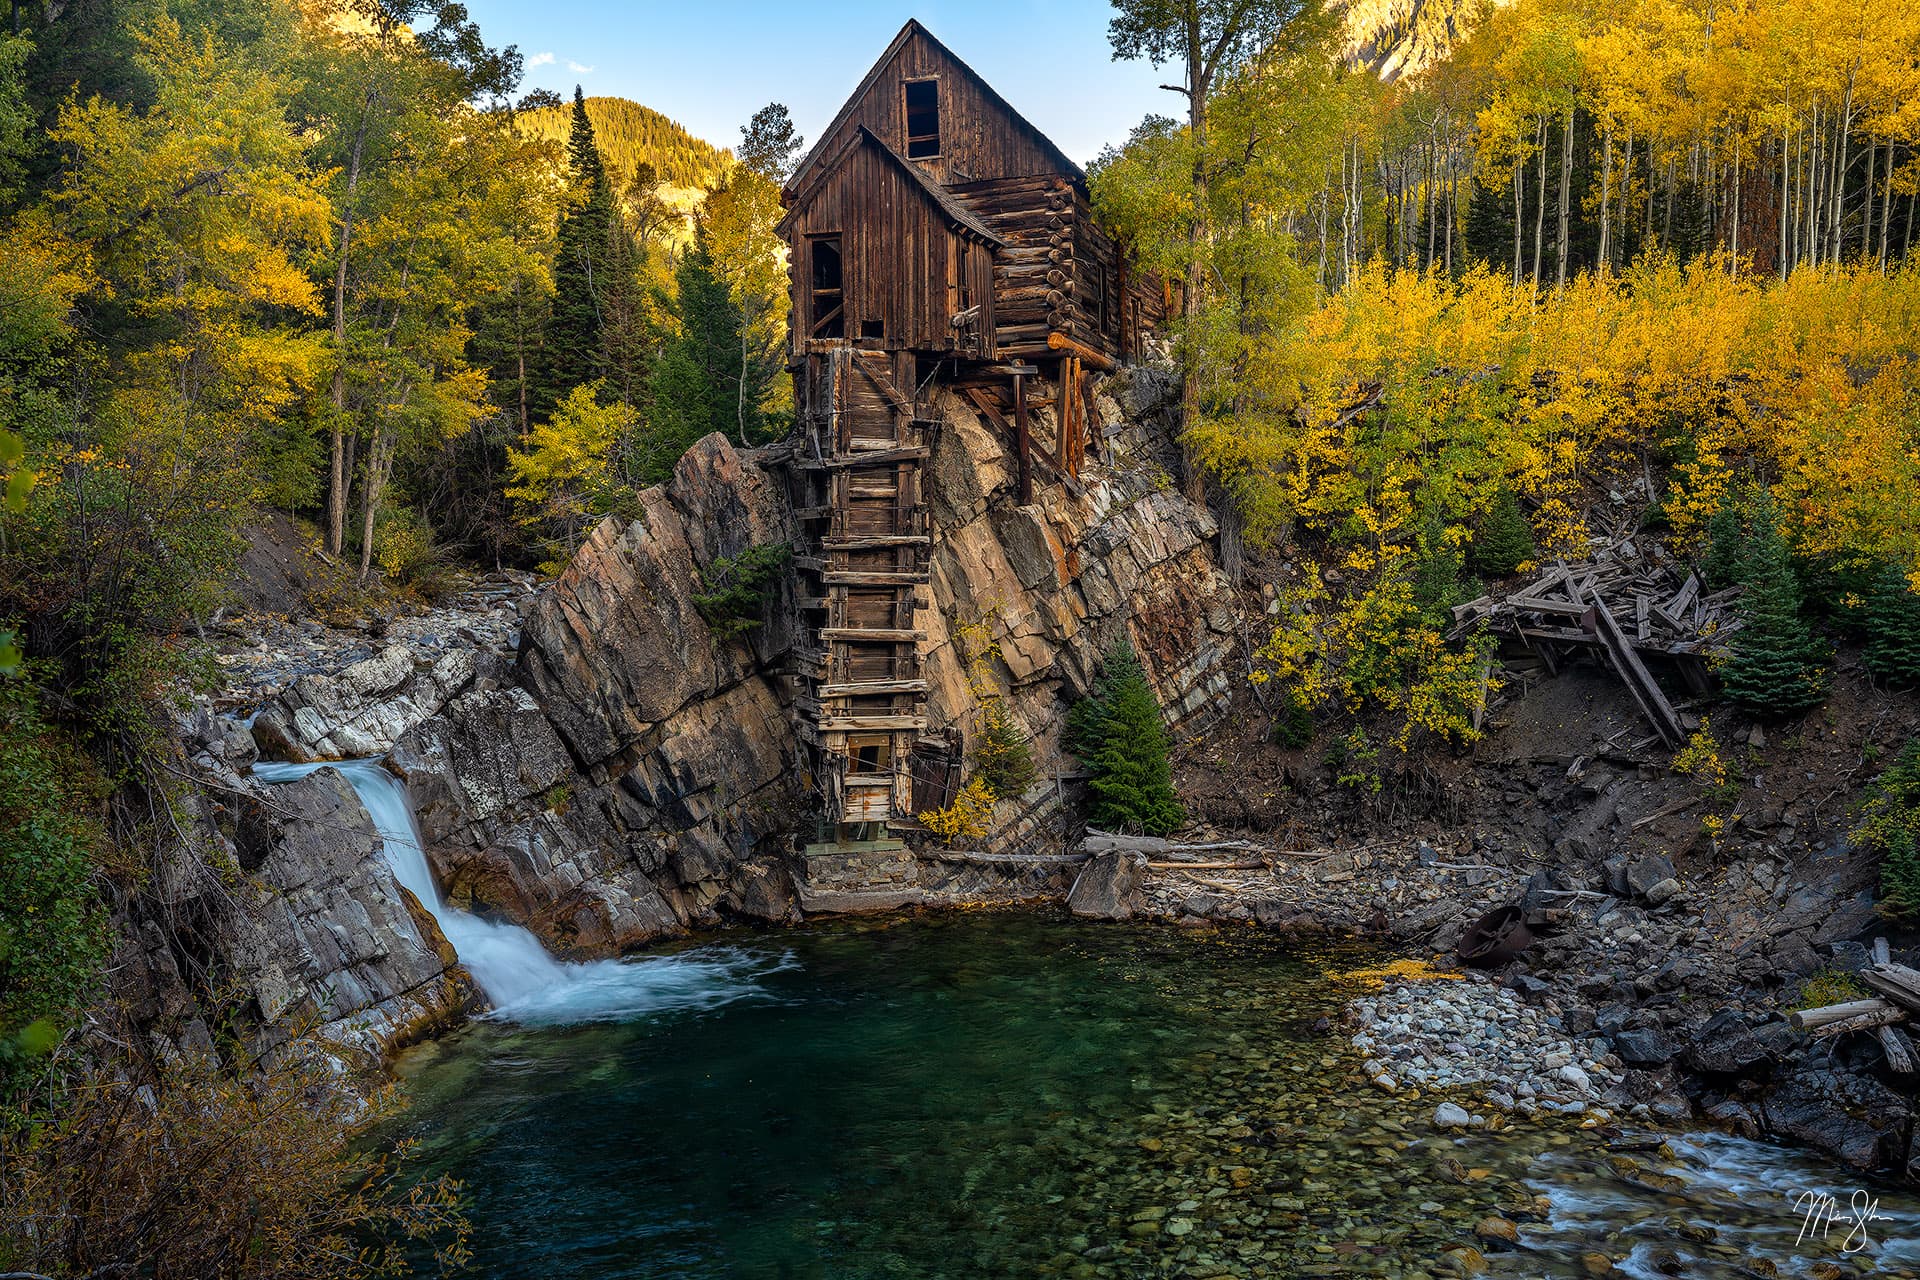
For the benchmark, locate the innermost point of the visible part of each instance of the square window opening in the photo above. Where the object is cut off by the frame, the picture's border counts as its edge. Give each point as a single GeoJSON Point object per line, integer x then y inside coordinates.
{"type": "Point", "coordinates": [873, 329]}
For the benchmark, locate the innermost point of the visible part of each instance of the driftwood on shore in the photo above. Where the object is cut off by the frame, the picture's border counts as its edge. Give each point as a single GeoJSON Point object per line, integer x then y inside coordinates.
{"type": "Point", "coordinates": [1898, 1001]}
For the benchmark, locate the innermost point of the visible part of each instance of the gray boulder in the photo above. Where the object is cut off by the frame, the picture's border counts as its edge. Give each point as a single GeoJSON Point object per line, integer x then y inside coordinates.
{"type": "Point", "coordinates": [1108, 887]}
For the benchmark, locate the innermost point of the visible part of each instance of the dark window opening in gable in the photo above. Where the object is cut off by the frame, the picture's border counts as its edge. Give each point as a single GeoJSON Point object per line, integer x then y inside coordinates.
{"type": "Point", "coordinates": [829, 318]}
{"type": "Point", "coordinates": [923, 119]}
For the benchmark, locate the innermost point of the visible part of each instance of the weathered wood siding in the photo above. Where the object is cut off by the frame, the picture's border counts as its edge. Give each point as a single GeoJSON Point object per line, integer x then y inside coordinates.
{"type": "Point", "coordinates": [903, 264]}
{"type": "Point", "coordinates": [980, 136]}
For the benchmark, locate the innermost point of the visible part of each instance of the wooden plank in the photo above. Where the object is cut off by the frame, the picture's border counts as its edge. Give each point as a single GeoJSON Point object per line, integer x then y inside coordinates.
{"type": "Point", "coordinates": [874, 541]}
{"type": "Point", "coordinates": [1021, 437]}
{"type": "Point", "coordinates": [1639, 681]}
{"type": "Point", "coordinates": [852, 578]}
{"type": "Point", "coordinates": [898, 635]}
{"type": "Point", "coordinates": [860, 724]}
{"type": "Point", "coordinates": [910, 453]}
{"type": "Point", "coordinates": [856, 688]}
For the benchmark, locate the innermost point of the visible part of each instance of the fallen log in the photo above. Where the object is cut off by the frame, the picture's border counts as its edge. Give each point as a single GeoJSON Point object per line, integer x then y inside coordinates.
{"type": "Point", "coordinates": [1896, 982]}
{"type": "Point", "coordinates": [1859, 1022]}
{"type": "Point", "coordinates": [1812, 1019]}
{"type": "Point", "coordinates": [1206, 866]}
{"type": "Point", "coordinates": [1899, 1050]}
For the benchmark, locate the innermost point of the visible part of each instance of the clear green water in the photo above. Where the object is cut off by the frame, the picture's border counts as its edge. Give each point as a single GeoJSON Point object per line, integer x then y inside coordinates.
{"type": "Point", "coordinates": [1012, 1095]}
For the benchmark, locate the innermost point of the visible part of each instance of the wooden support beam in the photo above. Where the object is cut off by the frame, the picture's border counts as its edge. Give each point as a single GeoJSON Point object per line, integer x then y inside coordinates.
{"type": "Point", "coordinates": [873, 723]}
{"type": "Point", "coordinates": [896, 635]}
{"type": "Point", "coordinates": [1058, 341]}
{"type": "Point", "coordinates": [911, 453]}
{"type": "Point", "coordinates": [869, 542]}
{"type": "Point", "coordinates": [849, 578]}
{"type": "Point", "coordinates": [1639, 681]}
{"type": "Point", "coordinates": [857, 688]}
{"type": "Point", "coordinates": [1021, 436]}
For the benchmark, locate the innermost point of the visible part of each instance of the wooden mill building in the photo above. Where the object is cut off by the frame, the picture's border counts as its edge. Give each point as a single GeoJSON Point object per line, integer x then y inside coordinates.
{"type": "Point", "coordinates": [937, 240]}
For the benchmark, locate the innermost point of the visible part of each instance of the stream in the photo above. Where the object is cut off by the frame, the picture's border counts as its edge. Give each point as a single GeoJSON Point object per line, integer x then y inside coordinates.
{"type": "Point", "coordinates": [1017, 1093]}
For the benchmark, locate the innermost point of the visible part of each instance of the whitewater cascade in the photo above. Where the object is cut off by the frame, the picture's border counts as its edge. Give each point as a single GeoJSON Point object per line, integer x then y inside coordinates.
{"type": "Point", "coordinates": [524, 983]}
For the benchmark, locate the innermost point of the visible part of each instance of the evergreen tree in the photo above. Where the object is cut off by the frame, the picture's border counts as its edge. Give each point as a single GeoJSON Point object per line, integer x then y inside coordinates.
{"type": "Point", "coordinates": [1893, 629]}
{"type": "Point", "coordinates": [1726, 540]}
{"type": "Point", "coordinates": [1118, 733]}
{"type": "Point", "coordinates": [1777, 667]}
{"type": "Point", "coordinates": [1504, 540]}
{"type": "Point", "coordinates": [696, 384]}
{"type": "Point", "coordinates": [581, 271]}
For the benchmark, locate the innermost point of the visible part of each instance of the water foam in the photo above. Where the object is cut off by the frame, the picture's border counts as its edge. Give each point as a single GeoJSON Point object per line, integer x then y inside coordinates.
{"type": "Point", "coordinates": [521, 980]}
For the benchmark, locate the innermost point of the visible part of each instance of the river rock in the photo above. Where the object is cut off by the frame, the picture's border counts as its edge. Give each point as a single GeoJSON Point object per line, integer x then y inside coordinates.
{"type": "Point", "coordinates": [1449, 1115]}
{"type": "Point", "coordinates": [1108, 887]}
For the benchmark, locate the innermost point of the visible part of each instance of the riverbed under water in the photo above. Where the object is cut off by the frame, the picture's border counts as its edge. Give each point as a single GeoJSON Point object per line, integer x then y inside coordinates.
{"type": "Point", "coordinates": [1006, 1094]}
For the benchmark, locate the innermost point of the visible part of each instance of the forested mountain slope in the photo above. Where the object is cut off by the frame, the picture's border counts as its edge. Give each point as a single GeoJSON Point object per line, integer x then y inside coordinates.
{"type": "Point", "coordinates": [630, 135]}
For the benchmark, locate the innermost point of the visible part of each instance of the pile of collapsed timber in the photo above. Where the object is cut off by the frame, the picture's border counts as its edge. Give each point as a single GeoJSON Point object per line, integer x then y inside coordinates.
{"type": "Point", "coordinates": [1624, 604]}
{"type": "Point", "coordinates": [1898, 1001]}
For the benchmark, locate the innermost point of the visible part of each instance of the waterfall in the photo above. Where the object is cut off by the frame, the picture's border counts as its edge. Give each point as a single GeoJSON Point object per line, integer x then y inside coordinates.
{"type": "Point", "coordinates": [522, 982]}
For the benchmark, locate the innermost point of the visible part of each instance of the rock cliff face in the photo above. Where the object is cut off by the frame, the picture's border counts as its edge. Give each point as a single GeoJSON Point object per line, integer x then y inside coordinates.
{"type": "Point", "coordinates": [273, 909]}
{"type": "Point", "coordinates": [625, 774]}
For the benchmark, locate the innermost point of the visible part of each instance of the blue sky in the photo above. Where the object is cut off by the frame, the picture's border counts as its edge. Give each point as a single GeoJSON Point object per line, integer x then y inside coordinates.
{"type": "Point", "coordinates": [710, 64]}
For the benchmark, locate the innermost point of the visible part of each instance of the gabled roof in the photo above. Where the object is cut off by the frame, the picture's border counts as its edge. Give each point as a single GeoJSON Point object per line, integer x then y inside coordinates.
{"type": "Point", "coordinates": [867, 81]}
{"type": "Point", "coordinates": [958, 214]}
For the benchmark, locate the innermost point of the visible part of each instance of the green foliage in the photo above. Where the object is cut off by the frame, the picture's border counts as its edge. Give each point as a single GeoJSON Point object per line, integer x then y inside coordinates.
{"type": "Point", "coordinates": [1002, 752]}
{"type": "Point", "coordinates": [1293, 727]}
{"type": "Point", "coordinates": [1892, 623]}
{"type": "Point", "coordinates": [701, 383]}
{"type": "Point", "coordinates": [1777, 666]}
{"type": "Point", "coordinates": [1118, 733]}
{"type": "Point", "coordinates": [1503, 541]}
{"type": "Point", "coordinates": [52, 922]}
{"type": "Point", "coordinates": [1829, 986]}
{"type": "Point", "coordinates": [630, 136]}
{"type": "Point", "coordinates": [1727, 532]}
{"type": "Point", "coordinates": [1355, 760]}
{"type": "Point", "coordinates": [739, 587]}
{"type": "Point", "coordinates": [1890, 826]}
{"type": "Point", "coordinates": [582, 275]}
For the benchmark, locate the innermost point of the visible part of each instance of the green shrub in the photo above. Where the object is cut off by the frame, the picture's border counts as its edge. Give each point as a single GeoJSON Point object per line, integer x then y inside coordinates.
{"type": "Point", "coordinates": [1002, 753]}
{"type": "Point", "coordinates": [1727, 539]}
{"type": "Point", "coordinates": [1893, 629]}
{"type": "Point", "coordinates": [1504, 539]}
{"type": "Point", "coordinates": [1118, 733]}
{"type": "Point", "coordinates": [1777, 666]}
{"type": "Point", "coordinates": [1890, 827]}
{"type": "Point", "coordinates": [52, 923]}
{"type": "Point", "coordinates": [1293, 727]}
{"type": "Point", "coordinates": [736, 602]}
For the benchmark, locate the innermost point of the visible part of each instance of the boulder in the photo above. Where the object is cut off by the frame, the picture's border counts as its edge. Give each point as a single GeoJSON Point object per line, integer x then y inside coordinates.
{"type": "Point", "coordinates": [1108, 887]}
{"type": "Point", "coordinates": [1643, 875]}
{"type": "Point", "coordinates": [1726, 1045]}
{"type": "Point", "coordinates": [1647, 1048]}
{"type": "Point", "coordinates": [1851, 1116]}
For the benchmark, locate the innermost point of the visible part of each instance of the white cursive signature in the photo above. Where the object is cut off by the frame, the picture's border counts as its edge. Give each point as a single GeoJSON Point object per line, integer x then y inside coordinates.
{"type": "Point", "coordinates": [1822, 1212]}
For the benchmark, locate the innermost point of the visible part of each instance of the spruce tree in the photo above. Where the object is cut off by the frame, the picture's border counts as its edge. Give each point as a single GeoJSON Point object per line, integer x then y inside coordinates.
{"type": "Point", "coordinates": [581, 271]}
{"type": "Point", "coordinates": [696, 384]}
{"type": "Point", "coordinates": [1777, 667]}
{"type": "Point", "coordinates": [1893, 629]}
{"type": "Point", "coordinates": [1117, 731]}
{"type": "Point", "coordinates": [1504, 539]}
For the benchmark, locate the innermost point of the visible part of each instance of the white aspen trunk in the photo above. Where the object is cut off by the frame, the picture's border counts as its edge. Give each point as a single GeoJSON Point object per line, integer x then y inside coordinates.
{"type": "Point", "coordinates": [1886, 210]}
{"type": "Point", "coordinates": [1561, 245]}
{"type": "Point", "coordinates": [1540, 212]}
{"type": "Point", "coordinates": [1606, 198]}
{"type": "Point", "coordinates": [1518, 221]}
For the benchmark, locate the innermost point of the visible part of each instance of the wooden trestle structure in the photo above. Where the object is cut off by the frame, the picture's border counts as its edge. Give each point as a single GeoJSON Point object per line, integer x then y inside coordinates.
{"type": "Point", "coordinates": [938, 242]}
{"type": "Point", "coordinates": [864, 700]}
